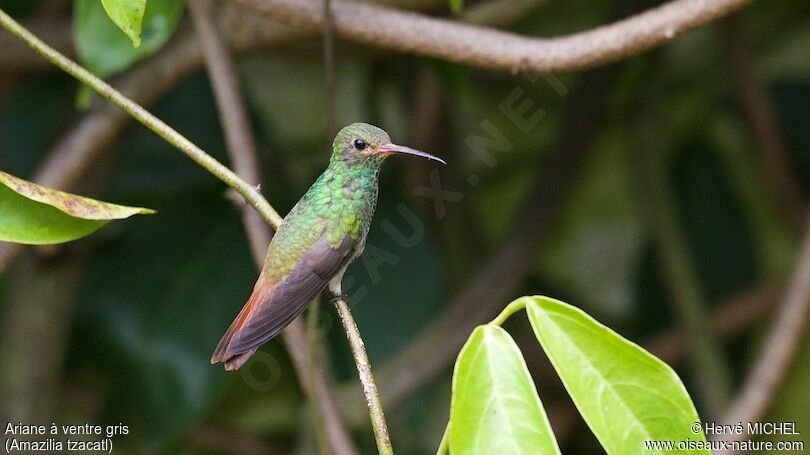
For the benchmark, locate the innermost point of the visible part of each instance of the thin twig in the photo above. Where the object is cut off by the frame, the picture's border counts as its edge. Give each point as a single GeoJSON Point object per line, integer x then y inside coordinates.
{"type": "Point", "coordinates": [373, 402]}
{"type": "Point", "coordinates": [496, 280]}
{"type": "Point", "coordinates": [297, 346]}
{"type": "Point", "coordinates": [778, 349]}
{"type": "Point", "coordinates": [487, 48]}
{"type": "Point", "coordinates": [232, 115]}
{"type": "Point", "coordinates": [74, 152]}
{"type": "Point", "coordinates": [144, 84]}
{"type": "Point", "coordinates": [249, 192]}
{"type": "Point", "coordinates": [243, 155]}
{"type": "Point", "coordinates": [147, 81]}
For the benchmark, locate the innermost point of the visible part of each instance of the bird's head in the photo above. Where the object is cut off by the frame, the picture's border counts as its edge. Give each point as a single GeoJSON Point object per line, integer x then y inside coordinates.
{"type": "Point", "coordinates": [361, 142]}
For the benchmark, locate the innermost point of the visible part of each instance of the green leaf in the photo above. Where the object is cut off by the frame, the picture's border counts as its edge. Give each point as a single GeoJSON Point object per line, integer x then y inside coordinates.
{"type": "Point", "coordinates": [495, 407]}
{"type": "Point", "coordinates": [456, 5]}
{"type": "Point", "coordinates": [127, 15]}
{"type": "Point", "coordinates": [34, 214]}
{"type": "Point", "coordinates": [105, 50]}
{"type": "Point", "coordinates": [626, 395]}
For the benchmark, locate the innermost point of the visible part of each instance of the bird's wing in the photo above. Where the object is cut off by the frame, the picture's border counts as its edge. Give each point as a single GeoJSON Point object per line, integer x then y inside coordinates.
{"type": "Point", "coordinates": [273, 305]}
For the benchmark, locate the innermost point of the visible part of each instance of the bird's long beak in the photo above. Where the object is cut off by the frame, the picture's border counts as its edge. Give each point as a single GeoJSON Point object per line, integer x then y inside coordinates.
{"type": "Point", "coordinates": [393, 148]}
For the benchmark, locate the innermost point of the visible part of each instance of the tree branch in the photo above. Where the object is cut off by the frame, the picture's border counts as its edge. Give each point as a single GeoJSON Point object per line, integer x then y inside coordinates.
{"type": "Point", "coordinates": [145, 83]}
{"type": "Point", "coordinates": [316, 387]}
{"type": "Point", "coordinates": [487, 48]}
{"type": "Point", "coordinates": [778, 349]}
{"type": "Point", "coordinates": [249, 192]}
{"type": "Point", "coordinates": [242, 152]}
{"type": "Point", "coordinates": [251, 195]}
{"type": "Point", "coordinates": [97, 129]}
{"type": "Point", "coordinates": [232, 115]}
{"type": "Point", "coordinates": [373, 402]}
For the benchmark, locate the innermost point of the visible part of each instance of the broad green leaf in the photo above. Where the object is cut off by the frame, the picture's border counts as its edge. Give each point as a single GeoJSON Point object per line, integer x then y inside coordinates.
{"type": "Point", "coordinates": [456, 5]}
{"type": "Point", "coordinates": [495, 407]}
{"type": "Point", "coordinates": [127, 15]}
{"type": "Point", "coordinates": [105, 50]}
{"type": "Point", "coordinates": [34, 214]}
{"type": "Point", "coordinates": [626, 395]}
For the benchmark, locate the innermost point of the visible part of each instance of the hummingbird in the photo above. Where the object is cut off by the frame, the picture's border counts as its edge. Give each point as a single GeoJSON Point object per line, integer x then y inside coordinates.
{"type": "Point", "coordinates": [323, 233]}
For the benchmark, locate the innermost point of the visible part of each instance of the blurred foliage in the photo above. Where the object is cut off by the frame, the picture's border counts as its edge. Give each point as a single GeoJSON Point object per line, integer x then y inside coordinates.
{"type": "Point", "coordinates": [34, 116]}
{"type": "Point", "coordinates": [792, 98]}
{"type": "Point", "coordinates": [159, 291]}
{"type": "Point", "coordinates": [105, 49]}
{"type": "Point", "coordinates": [456, 5]}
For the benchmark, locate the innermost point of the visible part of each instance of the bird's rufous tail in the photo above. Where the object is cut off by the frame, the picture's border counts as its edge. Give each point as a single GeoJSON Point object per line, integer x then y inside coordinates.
{"type": "Point", "coordinates": [233, 360]}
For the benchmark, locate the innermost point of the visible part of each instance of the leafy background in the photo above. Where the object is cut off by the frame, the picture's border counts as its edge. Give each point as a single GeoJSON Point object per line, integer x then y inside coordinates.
{"type": "Point", "coordinates": [144, 301]}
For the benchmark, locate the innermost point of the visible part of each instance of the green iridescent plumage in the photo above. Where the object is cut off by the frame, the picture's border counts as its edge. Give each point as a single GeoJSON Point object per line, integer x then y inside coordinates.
{"type": "Point", "coordinates": [315, 243]}
{"type": "Point", "coordinates": [340, 203]}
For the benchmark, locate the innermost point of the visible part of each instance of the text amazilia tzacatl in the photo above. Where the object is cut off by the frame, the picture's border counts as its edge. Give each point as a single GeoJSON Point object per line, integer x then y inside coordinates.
{"type": "Point", "coordinates": [319, 238]}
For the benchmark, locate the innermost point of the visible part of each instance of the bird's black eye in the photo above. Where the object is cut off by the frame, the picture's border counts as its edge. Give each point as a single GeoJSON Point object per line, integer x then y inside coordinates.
{"type": "Point", "coordinates": [360, 144]}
